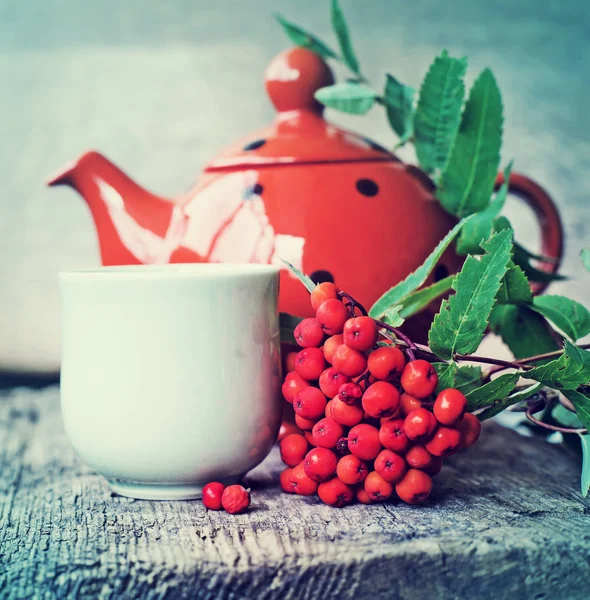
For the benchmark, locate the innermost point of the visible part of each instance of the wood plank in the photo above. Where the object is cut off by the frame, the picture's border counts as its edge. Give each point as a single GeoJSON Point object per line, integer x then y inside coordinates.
{"type": "Point", "coordinates": [506, 520]}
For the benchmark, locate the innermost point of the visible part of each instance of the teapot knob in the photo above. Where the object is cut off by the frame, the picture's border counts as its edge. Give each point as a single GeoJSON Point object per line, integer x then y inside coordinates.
{"type": "Point", "coordinates": [293, 77]}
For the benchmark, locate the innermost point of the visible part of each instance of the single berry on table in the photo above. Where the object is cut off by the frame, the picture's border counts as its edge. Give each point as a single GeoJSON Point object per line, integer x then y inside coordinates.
{"type": "Point", "coordinates": [309, 403]}
{"type": "Point", "coordinates": [349, 362]}
{"type": "Point", "coordinates": [415, 487]}
{"type": "Point", "coordinates": [308, 333]}
{"type": "Point", "coordinates": [350, 393]}
{"type": "Point", "coordinates": [321, 292]}
{"type": "Point", "coordinates": [419, 378]}
{"type": "Point", "coordinates": [293, 383]}
{"type": "Point", "coordinates": [444, 442]}
{"type": "Point", "coordinates": [351, 469]}
{"type": "Point", "coordinates": [360, 333]}
{"type": "Point", "coordinates": [293, 449]}
{"type": "Point", "coordinates": [335, 493]}
{"type": "Point", "coordinates": [320, 464]}
{"type": "Point", "coordinates": [385, 362]}
{"type": "Point", "coordinates": [331, 344]}
{"type": "Point", "coordinates": [331, 315]}
{"type": "Point", "coordinates": [326, 433]}
{"type": "Point", "coordinates": [469, 427]}
{"type": "Point", "coordinates": [346, 414]}
{"type": "Point", "coordinates": [377, 487]}
{"type": "Point", "coordinates": [300, 483]}
{"type": "Point", "coordinates": [212, 493]}
{"type": "Point", "coordinates": [331, 381]}
{"type": "Point", "coordinates": [309, 363]}
{"type": "Point", "coordinates": [419, 425]}
{"type": "Point", "coordinates": [391, 466]}
{"type": "Point", "coordinates": [418, 457]}
{"type": "Point", "coordinates": [235, 499]}
{"type": "Point", "coordinates": [363, 441]}
{"type": "Point", "coordinates": [449, 407]}
{"type": "Point", "coordinates": [381, 400]}
{"type": "Point", "coordinates": [393, 437]}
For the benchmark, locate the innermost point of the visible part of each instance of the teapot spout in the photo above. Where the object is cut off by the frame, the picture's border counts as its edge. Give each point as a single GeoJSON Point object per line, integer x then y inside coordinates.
{"type": "Point", "coordinates": [134, 226]}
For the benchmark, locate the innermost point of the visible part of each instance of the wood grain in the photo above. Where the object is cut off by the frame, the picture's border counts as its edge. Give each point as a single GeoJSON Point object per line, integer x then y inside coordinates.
{"type": "Point", "coordinates": [506, 521]}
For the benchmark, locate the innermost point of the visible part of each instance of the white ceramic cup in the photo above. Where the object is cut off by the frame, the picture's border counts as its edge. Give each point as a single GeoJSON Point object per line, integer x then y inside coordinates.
{"type": "Point", "coordinates": [171, 374]}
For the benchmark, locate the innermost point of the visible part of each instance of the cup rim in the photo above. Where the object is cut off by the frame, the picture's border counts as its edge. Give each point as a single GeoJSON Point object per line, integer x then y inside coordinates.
{"type": "Point", "coordinates": [172, 271]}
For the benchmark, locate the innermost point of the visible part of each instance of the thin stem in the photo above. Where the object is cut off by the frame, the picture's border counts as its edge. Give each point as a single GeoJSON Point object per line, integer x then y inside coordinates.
{"type": "Point", "coordinates": [532, 419]}
{"type": "Point", "coordinates": [354, 303]}
{"type": "Point", "coordinates": [554, 354]}
{"type": "Point", "coordinates": [402, 336]}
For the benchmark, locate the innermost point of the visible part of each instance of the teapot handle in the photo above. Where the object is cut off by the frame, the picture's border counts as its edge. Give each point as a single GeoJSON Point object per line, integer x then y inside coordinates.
{"type": "Point", "coordinates": [549, 221]}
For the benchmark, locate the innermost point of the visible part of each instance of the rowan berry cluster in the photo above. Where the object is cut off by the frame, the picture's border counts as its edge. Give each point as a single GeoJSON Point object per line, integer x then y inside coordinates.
{"type": "Point", "coordinates": [372, 426]}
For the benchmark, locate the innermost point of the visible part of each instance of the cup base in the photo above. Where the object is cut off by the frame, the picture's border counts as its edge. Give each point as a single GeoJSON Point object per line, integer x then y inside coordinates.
{"type": "Point", "coordinates": [161, 491]}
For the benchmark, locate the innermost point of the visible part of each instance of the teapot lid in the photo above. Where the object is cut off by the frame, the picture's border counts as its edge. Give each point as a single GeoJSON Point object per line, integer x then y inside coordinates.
{"type": "Point", "coordinates": [299, 134]}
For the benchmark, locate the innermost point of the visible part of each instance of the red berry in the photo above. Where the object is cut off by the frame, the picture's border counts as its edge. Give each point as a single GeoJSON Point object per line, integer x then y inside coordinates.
{"type": "Point", "coordinates": [346, 414]}
{"type": "Point", "coordinates": [331, 315]}
{"type": "Point", "coordinates": [290, 362]}
{"type": "Point", "coordinates": [342, 446]}
{"type": "Point", "coordinates": [435, 466]}
{"type": "Point", "coordinates": [446, 441]}
{"type": "Point", "coordinates": [409, 403]}
{"type": "Point", "coordinates": [363, 497]}
{"type": "Point", "coordinates": [308, 333]}
{"type": "Point", "coordinates": [391, 466]}
{"type": "Point", "coordinates": [323, 291]}
{"type": "Point", "coordinates": [378, 488]}
{"type": "Point", "coordinates": [309, 403]}
{"type": "Point", "coordinates": [393, 436]}
{"type": "Point", "coordinates": [386, 361]}
{"type": "Point", "coordinates": [350, 393]}
{"type": "Point", "coordinates": [326, 433]}
{"type": "Point", "coordinates": [235, 499]}
{"type": "Point", "coordinates": [469, 427]}
{"type": "Point", "coordinates": [381, 400]}
{"type": "Point", "coordinates": [328, 411]}
{"type": "Point", "coordinates": [320, 464]}
{"type": "Point", "coordinates": [300, 483]}
{"type": "Point", "coordinates": [415, 487]}
{"type": "Point", "coordinates": [330, 345]}
{"type": "Point", "coordinates": [351, 469]}
{"type": "Point", "coordinates": [418, 457]}
{"type": "Point", "coordinates": [284, 480]}
{"type": "Point", "coordinates": [419, 378]}
{"type": "Point", "coordinates": [363, 441]}
{"type": "Point", "coordinates": [360, 333]}
{"type": "Point", "coordinates": [419, 425]}
{"type": "Point", "coordinates": [293, 383]}
{"type": "Point", "coordinates": [310, 363]}
{"type": "Point", "coordinates": [349, 362]}
{"type": "Point", "coordinates": [293, 449]}
{"type": "Point", "coordinates": [308, 436]}
{"type": "Point", "coordinates": [212, 495]}
{"type": "Point", "coordinates": [335, 493]}
{"type": "Point", "coordinates": [304, 424]}
{"type": "Point", "coordinates": [331, 381]}
{"type": "Point", "coordinates": [449, 407]}
{"type": "Point", "coordinates": [286, 429]}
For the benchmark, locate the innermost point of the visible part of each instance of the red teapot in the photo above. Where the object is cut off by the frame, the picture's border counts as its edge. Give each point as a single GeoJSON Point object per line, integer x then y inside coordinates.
{"type": "Point", "coordinates": [335, 204]}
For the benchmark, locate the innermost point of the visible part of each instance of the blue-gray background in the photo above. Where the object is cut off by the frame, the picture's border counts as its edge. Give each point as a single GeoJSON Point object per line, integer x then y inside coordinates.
{"type": "Point", "coordinates": [160, 87]}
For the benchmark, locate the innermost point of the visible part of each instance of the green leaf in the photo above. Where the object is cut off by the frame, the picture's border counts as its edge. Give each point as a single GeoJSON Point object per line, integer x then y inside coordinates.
{"type": "Point", "coordinates": [522, 258]}
{"type": "Point", "coordinates": [303, 38]}
{"type": "Point", "coordinates": [492, 392]}
{"type": "Point", "coordinates": [585, 256]}
{"type": "Point", "coordinates": [461, 322]}
{"type": "Point", "coordinates": [585, 477]}
{"type": "Point", "coordinates": [513, 398]}
{"type": "Point", "coordinates": [567, 315]}
{"type": "Point", "coordinates": [446, 371]}
{"type": "Point", "coordinates": [353, 98]}
{"type": "Point", "coordinates": [468, 378]}
{"type": "Point", "coordinates": [566, 417]}
{"type": "Point", "coordinates": [438, 112]}
{"type": "Point", "coordinates": [468, 179]}
{"type": "Point", "coordinates": [525, 332]}
{"type": "Point", "coordinates": [480, 228]}
{"type": "Point", "coordinates": [340, 28]}
{"type": "Point", "coordinates": [392, 316]}
{"type": "Point", "coordinates": [567, 372]}
{"type": "Point", "coordinates": [305, 280]}
{"type": "Point", "coordinates": [515, 287]}
{"type": "Point", "coordinates": [420, 299]}
{"type": "Point", "coordinates": [287, 324]}
{"type": "Point", "coordinates": [415, 279]}
{"type": "Point", "coordinates": [398, 99]}
{"type": "Point", "coordinates": [581, 403]}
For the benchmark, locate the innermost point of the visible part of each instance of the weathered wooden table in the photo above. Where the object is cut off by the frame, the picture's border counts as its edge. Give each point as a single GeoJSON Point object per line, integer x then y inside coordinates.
{"type": "Point", "coordinates": [506, 521]}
